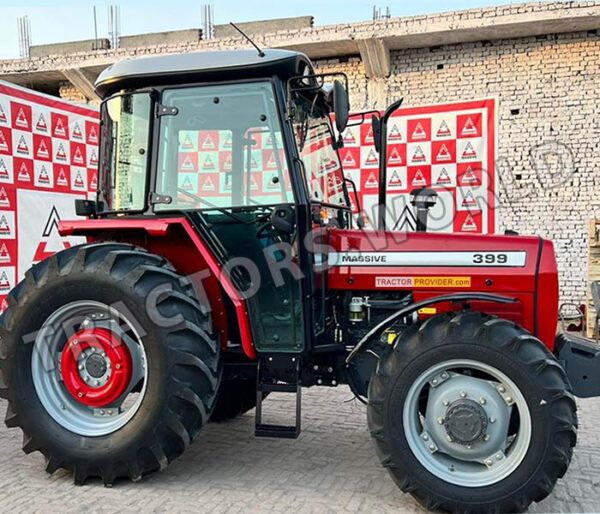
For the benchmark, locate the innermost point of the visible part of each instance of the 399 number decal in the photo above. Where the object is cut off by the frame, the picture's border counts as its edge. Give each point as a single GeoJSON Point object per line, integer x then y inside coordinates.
{"type": "Point", "coordinates": [490, 258]}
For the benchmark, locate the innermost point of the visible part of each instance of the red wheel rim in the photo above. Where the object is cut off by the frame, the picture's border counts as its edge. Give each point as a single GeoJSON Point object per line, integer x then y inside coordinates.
{"type": "Point", "coordinates": [96, 367]}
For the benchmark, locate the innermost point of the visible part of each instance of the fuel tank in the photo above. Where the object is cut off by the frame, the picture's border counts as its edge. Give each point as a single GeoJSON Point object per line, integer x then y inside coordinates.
{"type": "Point", "coordinates": [433, 264]}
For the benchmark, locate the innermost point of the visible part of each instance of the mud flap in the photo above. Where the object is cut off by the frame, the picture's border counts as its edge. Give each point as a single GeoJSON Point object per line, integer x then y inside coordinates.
{"type": "Point", "coordinates": [580, 358]}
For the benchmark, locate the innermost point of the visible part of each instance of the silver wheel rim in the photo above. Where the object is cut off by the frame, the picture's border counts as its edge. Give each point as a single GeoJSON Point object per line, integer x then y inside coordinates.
{"type": "Point", "coordinates": [435, 407]}
{"type": "Point", "coordinates": [47, 380]}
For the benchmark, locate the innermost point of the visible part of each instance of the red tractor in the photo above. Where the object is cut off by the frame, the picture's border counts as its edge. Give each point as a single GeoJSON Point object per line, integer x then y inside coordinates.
{"type": "Point", "coordinates": [218, 270]}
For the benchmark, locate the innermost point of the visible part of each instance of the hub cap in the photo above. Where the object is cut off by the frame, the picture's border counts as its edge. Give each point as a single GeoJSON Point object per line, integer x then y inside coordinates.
{"type": "Point", "coordinates": [89, 368]}
{"type": "Point", "coordinates": [467, 423]}
{"type": "Point", "coordinates": [96, 367]}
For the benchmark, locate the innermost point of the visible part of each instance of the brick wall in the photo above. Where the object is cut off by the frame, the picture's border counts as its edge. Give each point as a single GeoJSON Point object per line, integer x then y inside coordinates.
{"type": "Point", "coordinates": [548, 114]}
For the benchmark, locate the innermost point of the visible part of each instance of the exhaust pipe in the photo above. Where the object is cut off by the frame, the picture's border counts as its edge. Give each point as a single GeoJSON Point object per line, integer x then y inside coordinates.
{"type": "Point", "coordinates": [423, 199]}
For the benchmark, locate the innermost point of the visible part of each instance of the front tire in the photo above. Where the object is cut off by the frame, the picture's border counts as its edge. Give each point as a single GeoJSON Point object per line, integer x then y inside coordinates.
{"type": "Point", "coordinates": [109, 363]}
{"type": "Point", "coordinates": [470, 413]}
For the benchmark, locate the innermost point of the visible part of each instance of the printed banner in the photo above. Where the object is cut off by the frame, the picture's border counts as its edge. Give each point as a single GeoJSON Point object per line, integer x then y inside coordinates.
{"type": "Point", "coordinates": [48, 158]}
{"type": "Point", "coordinates": [449, 148]}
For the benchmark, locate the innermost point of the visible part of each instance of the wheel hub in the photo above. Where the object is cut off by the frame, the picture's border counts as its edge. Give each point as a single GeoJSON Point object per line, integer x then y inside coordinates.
{"type": "Point", "coordinates": [96, 367]}
{"type": "Point", "coordinates": [466, 421]}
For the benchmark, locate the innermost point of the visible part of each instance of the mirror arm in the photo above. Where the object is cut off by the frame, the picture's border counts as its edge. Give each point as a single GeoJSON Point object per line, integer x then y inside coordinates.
{"type": "Point", "coordinates": [359, 220]}
{"type": "Point", "coordinates": [383, 162]}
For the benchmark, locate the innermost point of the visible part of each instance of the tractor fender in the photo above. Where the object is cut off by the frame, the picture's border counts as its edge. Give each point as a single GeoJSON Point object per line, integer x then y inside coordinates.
{"type": "Point", "coordinates": [176, 239]}
{"type": "Point", "coordinates": [415, 306]}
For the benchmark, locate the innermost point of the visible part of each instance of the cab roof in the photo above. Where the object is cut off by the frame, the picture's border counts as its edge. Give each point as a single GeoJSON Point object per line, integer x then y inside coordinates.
{"type": "Point", "coordinates": [201, 67]}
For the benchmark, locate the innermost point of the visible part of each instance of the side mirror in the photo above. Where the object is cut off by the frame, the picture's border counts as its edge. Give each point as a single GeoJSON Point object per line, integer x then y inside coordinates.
{"type": "Point", "coordinates": [341, 106]}
{"type": "Point", "coordinates": [85, 208]}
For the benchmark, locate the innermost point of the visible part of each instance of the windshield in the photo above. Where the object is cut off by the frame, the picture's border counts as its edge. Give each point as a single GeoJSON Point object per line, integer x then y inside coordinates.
{"type": "Point", "coordinates": [314, 137]}
{"type": "Point", "coordinates": [125, 138]}
{"type": "Point", "coordinates": [222, 148]}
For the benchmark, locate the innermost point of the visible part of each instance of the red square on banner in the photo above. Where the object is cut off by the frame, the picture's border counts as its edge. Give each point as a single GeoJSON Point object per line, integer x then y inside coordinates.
{"type": "Point", "coordinates": [419, 176]}
{"type": "Point", "coordinates": [369, 182]}
{"type": "Point", "coordinates": [469, 174]}
{"type": "Point", "coordinates": [92, 177]}
{"type": "Point", "coordinates": [188, 162]}
{"type": "Point", "coordinates": [469, 125]}
{"type": "Point", "coordinates": [208, 184]}
{"type": "Point", "coordinates": [208, 140]}
{"type": "Point", "coordinates": [396, 155]}
{"type": "Point", "coordinates": [256, 183]}
{"type": "Point", "coordinates": [350, 157]}
{"type": "Point", "coordinates": [21, 116]}
{"type": "Point", "coordinates": [42, 148]}
{"type": "Point", "coordinates": [366, 134]}
{"type": "Point", "coordinates": [23, 169]}
{"type": "Point", "coordinates": [92, 133]}
{"type": "Point", "coordinates": [8, 197]}
{"type": "Point", "coordinates": [225, 161]}
{"type": "Point", "coordinates": [419, 130]}
{"type": "Point", "coordinates": [271, 161]}
{"type": "Point", "coordinates": [78, 154]}
{"type": "Point", "coordinates": [468, 222]}
{"type": "Point", "coordinates": [443, 152]}
{"type": "Point", "coordinates": [60, 125]}
{"type": "Point", "coordinates": [8, 252]}
{"type": "Point", "coordinates": [5, 141]}
{"type": "Point", "coordinates": [62, 176]}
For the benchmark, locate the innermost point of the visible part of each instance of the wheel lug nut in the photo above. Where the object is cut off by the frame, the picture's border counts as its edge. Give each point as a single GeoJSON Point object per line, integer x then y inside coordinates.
{"type": "Point", "coordinates": [463, 394]}
{"type": "Point", "coordinates": [446, 403]}
{"type": "Point", "coordinates": [492, 420]}
{"type": "Point", "coordinates": [102, 413]}
{"type": "Point", "coordinates": [117, 366]}
{"type": "Point", "coordinates": [502, 389]}
{"type": "Point", "coordinates": [489, 462]}
{"type": "Point", "coordinates": [440, 421]}
{"type": "Point", "coordinates": [80, 394]}
{"type": "Point", "coordinates": [499, 456]}
{"type": "Point", "coordinates": [482, 400]}
{"type": "Point", "coordinates": [431, 447]}
{"type": "Point", "coordinates": [449, 438]}
{"type": "Point", "coordinates": [97, 382]}
{"type": "Point", "coordinates": [434, 381]}
{"type": "Point", "coordinates": [509, 399]}
{"type": "Point", "coordinates": [425, 437]}
{"type": "Point", "coordinates": [444, 375]}
{"type": "Point", "coordinates": [486, 437]}
{"type": "Point", "coordinates": [80, 367]}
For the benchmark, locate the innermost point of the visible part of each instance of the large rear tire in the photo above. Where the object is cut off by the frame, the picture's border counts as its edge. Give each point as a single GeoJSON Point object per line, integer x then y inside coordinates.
{"type": "Point", "coordinates": [471, 413]}
{"type": "Point", "coordinates": [235, 397]}
{"type": "Point", "coordinates": [109, 363]}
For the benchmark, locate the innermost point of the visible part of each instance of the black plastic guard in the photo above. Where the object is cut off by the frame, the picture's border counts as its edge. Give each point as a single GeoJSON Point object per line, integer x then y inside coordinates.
{"type": "Point", "coordinates": [580, 358]}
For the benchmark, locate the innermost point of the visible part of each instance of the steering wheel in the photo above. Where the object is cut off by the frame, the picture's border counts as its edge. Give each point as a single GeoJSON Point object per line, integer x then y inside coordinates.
{"type": "Point", "coordinates": [281, 220]}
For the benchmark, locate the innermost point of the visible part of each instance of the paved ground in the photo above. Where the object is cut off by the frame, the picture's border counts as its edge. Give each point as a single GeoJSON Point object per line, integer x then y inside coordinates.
{"type": "Point", "coordinates": [331, 468]}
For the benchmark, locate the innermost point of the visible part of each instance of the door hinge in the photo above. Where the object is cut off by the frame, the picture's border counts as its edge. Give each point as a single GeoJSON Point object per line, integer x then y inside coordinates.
{"type": "Point", "coordinates": [155, 198]}
{"type": "Point", "coordinates": [166, 110]}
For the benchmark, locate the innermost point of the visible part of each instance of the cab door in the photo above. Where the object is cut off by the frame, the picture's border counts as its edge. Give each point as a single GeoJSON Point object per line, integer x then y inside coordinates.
{"type": "Point", "coordinates": [223, 163]}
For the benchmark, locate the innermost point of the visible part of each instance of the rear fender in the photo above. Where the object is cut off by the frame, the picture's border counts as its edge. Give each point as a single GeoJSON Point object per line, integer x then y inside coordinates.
{"type": "Point", "coordinates": [176, 240]}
